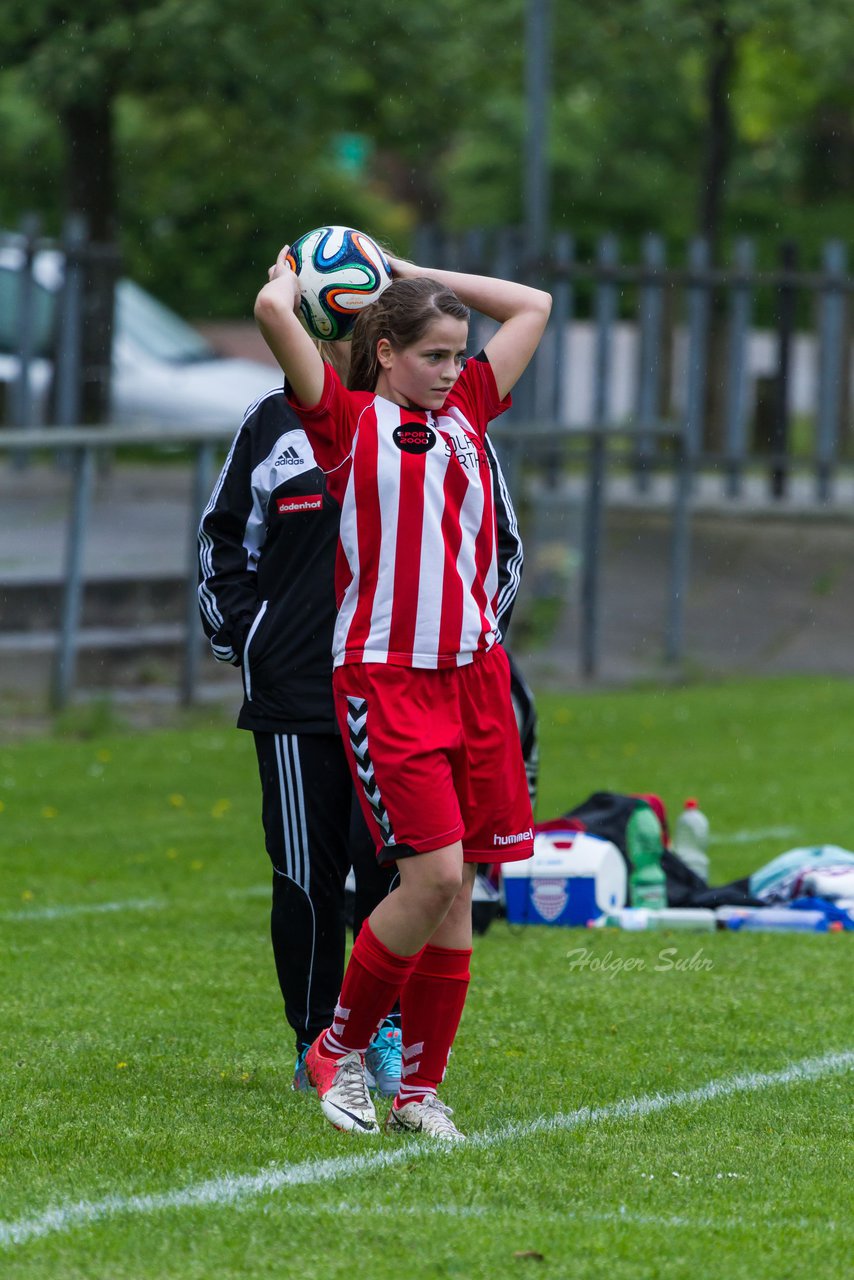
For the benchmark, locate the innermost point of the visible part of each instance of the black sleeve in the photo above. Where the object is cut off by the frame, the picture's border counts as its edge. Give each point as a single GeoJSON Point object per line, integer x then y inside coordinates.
{"type": "Point", "coordinates": [510, 554]}
{"type": "Point", "coordinates": [231, 534]}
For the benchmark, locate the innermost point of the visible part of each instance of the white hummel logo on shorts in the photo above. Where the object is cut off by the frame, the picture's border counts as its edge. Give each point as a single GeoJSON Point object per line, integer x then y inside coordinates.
{"type": "Point", "coordinates": [514, 839]}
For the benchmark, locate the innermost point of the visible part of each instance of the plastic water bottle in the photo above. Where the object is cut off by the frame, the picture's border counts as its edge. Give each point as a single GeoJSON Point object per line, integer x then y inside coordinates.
{"type": "Point", "coordinates": [641, 919]}
{"type": "Point", "coordinates": [782, 918]}
{"type": "Point", "coordinates": [647, 881]}
{"type": "Point", "coordinates": [635, 919]}
{"type": "Point", "coordinates": [691, 839]}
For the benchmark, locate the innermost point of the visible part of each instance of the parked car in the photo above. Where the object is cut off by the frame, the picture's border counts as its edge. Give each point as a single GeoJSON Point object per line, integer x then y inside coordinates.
{"type": "Point", "coordinates": [164, 372]}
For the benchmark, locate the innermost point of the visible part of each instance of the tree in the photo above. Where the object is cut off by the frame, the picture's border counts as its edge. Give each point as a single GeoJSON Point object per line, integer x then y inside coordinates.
{"type": "Point", "coordinates": [208, 134]}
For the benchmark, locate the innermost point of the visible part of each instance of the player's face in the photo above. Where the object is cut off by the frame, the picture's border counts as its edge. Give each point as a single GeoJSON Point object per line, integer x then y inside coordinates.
{"type": "Point", "coordinates": [421, 376]}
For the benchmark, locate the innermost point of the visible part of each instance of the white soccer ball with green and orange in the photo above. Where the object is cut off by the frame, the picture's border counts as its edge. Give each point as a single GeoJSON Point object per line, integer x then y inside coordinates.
{"type": "Point", "coordinates": [340, 270]}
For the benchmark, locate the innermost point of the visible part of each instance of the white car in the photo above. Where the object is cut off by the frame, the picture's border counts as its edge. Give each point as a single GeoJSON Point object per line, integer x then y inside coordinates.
{"type": "Point", "coordinates": [164, 372]}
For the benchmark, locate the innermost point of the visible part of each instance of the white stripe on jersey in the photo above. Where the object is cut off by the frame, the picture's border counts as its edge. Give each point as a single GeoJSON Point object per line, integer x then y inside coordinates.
{"type": "Point", "coordinates": [432, 569]}
{"type": "Point", "coordinates": [388, 471]}
{"type": "Point", "coordinates": [348, 547]}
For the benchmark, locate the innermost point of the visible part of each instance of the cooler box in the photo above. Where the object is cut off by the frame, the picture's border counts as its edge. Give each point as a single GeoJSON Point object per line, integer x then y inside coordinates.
{"type": "Point", "coordinates": [571, 878]}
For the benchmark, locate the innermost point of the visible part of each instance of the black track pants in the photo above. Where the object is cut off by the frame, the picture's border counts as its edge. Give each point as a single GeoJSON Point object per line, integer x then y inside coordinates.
{"type": "Point", "coordinates": [313, 832]}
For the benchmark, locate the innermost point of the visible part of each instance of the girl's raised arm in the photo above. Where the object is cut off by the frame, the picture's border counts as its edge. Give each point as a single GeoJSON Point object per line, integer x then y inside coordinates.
{"type": "Point", "coordinates": [276, 314]}
{"type": "Point", "coordinates": [521, 311]}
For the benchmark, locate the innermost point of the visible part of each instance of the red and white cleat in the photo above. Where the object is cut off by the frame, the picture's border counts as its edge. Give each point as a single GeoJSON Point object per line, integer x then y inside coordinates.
{"type": "Point", "coordinates": [342, 1089]}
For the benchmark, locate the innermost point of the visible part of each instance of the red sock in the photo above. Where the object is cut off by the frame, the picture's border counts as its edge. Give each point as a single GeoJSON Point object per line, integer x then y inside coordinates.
{"type": "Point", "coordinates": [431, 1006]}
{"type": "Point", "coordinates": [373, 982]}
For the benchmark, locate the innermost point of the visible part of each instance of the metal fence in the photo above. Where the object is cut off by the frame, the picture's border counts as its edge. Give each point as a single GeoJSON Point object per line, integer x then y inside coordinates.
{"type": "Point", "coordinates": [747, 366]}
{"type": "Point", "coordinates": [80, 448]}
{"type": "Point", "coordinates": [731, 371]}
{"type": "Point", "coordinates": [647, 367]}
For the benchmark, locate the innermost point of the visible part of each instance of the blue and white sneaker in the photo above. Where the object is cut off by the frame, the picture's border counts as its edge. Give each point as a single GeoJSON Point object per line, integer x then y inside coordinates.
{"type": "Point", "coordinates": [301, 1082]}
{"type": "Point", "coordinates": [382, 1060]}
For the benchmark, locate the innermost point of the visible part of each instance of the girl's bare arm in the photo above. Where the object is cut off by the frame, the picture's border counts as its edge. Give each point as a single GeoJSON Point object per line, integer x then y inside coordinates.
{"type": "Point", "coordinates": [521, 311]}
{"type": "Point", "coordinates": [276, 314]}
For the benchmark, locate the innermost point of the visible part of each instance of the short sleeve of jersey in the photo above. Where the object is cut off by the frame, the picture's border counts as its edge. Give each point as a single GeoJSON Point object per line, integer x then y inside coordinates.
{"type": "Point", "coordinates": [476, 394]}
{"type": "Point", "coordinates": [330, 424]}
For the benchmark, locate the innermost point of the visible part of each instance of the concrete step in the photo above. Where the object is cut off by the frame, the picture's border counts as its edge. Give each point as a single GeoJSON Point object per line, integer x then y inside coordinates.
{"type": "Point", "coordinates": [132, 637]}
{"type": "Point", "coordinates": [163, 635]}
{"type": "Point", "coordinates": [106, 603]}
{"type": "Point", "coordinates": [133, 658]}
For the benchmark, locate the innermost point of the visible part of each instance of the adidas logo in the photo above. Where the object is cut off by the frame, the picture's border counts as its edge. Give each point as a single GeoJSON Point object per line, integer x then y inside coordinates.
{"type": "Point", "coordinates": [290, 458]}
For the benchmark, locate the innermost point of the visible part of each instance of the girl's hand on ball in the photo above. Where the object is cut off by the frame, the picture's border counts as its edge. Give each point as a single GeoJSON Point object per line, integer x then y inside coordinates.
{"type": "Point", "coordinates": [282, 270]}
{"type": "Point", "coordinates": [400, 268]}
{"type": "Point", "coordinates": [281, 265]}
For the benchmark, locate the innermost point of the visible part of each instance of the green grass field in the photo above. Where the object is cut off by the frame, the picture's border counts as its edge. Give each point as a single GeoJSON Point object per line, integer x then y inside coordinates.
{"type": "Point", "coordinates": [687, 1115]}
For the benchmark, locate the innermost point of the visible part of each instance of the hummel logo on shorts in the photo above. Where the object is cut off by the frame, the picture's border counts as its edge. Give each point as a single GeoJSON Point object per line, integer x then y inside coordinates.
{"type": "Point", "coordinates": [516, 838]}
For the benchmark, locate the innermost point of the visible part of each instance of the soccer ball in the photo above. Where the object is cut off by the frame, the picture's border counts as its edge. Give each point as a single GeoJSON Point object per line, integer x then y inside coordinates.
{"type": "Point", "coordinates": [339, 271]}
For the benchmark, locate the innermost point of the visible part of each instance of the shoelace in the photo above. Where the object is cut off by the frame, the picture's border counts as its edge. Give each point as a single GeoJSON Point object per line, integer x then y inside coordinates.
{"type": "Point", "coordinates": [442, 1114]}
{"type": "Point", "coordinates": [387, 1045]}
{"type": "Point", "coordinates": [350, 1079]}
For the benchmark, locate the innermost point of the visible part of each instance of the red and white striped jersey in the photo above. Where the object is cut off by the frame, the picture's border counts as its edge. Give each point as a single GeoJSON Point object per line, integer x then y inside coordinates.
{"type": "Point", "coordinates": [416, 575]}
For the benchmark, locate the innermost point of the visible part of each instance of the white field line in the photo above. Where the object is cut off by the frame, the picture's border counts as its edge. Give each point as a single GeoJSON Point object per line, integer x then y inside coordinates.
{"type": "Point", "coordinates": [82, 909]}
{"type": "Point", "coordinates": [751, 837]}
{"type": "Point", "coordinates": [71, 909]}
{"type": "Point", "coordinates": [233, 1188]}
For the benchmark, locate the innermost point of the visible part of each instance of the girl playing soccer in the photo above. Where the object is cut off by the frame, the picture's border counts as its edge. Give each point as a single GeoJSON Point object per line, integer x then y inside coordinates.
{"type": "Point", "coordinates": [421, 687]}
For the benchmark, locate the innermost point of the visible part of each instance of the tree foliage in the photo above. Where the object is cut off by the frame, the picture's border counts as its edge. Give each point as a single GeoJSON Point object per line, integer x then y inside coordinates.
{"type": "Point", "coordinates": [209, 131]}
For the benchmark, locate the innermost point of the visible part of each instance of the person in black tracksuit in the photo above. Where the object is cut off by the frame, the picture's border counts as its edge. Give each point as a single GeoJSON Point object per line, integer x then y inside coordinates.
{"type": "Point", "coordinates": [267, 544]}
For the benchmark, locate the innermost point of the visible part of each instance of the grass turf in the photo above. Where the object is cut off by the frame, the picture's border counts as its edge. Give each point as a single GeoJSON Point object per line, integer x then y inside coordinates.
{"type": "Point", "coordinates": [144, 1050]}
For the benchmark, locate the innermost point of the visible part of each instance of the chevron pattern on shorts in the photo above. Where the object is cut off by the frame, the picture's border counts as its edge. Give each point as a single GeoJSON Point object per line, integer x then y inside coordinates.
{"type": "Point", "coordinates": [357, 728]}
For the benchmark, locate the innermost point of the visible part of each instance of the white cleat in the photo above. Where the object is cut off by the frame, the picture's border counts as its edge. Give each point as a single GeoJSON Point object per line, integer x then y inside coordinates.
{"type": "Point", "coordinates": [430, 1116]}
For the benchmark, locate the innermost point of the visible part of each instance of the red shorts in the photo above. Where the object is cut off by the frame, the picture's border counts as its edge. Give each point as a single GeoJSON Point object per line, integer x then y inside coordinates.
{"type": "Point", "coordinates": [436, 758]}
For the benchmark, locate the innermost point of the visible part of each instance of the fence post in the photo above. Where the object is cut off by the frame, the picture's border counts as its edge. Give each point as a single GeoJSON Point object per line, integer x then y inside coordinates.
{"type": "Point", "coordinates": [474, 252]}
{"type": "Point", "coordinates": [785, 329]}
{"type": "Point", "coordinates": [689, 446]}
{"type": "Point", "coordinates": [65, 666]}
{"type": "Point", "coordinates": [699, 291]}
{"type": "Point", "coordinates": [650, 316]}
{"type": "Point", "coordinates": [67, 413]}
{"type": "Point", "coordinates": [735, 427]}
{"type": "Point", "coordinates": [606, 313]}
{"type": "Point", "coordinates": [66, 375]}
{"type": "Point", "coordinates": [563, 309]}
{"type": "Point", "coordinates": [831, 324]}
{"type": "Point", "coordinates": [537, 189]}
